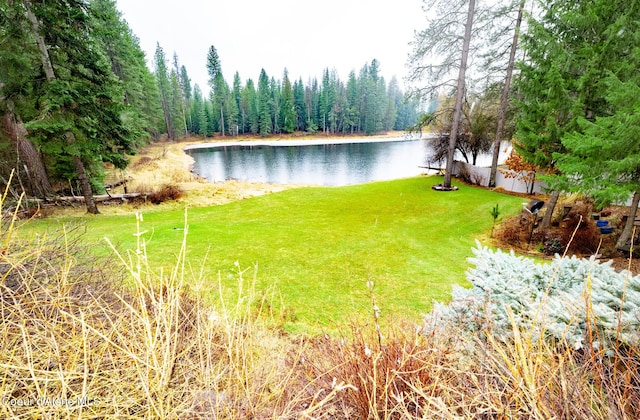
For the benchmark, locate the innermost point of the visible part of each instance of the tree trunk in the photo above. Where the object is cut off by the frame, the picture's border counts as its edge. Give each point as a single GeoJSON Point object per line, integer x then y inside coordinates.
{"type": "Point", "coordinates": [221, 121]}
{"type": "Point", "coordinates": [50, 75]}
{"type": "Point", "coordinates": [532, 186]}
{"type": "Point", "coordinates": [459, 95]}
{"type": "Point", "coordinates": [86, 187]}
{"type": "Point", "coordinates": [167, 116]}
{"type": "Point", "coordinates": [44, 53]}
{"type": "Point", "coordinates": [504, 102]}
{"type": "Point", "coordinates": [551, 205]}
{"type": "Point", "coordinates": [628, 227]}
{"type": "Point", "coordinates": [28, 155]}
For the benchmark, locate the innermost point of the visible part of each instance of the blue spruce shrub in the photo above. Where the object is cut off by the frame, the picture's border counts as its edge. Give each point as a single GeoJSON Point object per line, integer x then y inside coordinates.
{"type": "Point", "coordinates": [561, 300]}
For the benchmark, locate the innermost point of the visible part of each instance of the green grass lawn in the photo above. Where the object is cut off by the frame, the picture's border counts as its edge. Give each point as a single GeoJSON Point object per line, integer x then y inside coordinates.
{"type": "Point", "coordinates": [316, 248]}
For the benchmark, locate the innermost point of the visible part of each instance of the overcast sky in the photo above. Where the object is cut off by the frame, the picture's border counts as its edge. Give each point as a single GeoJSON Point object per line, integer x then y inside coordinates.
{"type": "Point", "coordinates": [303, 36]}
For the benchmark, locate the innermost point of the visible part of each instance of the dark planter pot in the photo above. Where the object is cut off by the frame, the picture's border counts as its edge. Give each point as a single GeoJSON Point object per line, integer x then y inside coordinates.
{"type": "Point", "coordinates": [606, 230]}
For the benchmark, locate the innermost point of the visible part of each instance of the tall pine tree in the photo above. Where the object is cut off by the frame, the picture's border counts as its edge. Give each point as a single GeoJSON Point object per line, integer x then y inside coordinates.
{"type": "Point", "coordinates": [264, 104]}
{"type": "Point", "coordinates": [287, 107]}
{"type": "Point", "coordinates": [76, 119]}
{"type": "Point", "coordinates": [163, 80]}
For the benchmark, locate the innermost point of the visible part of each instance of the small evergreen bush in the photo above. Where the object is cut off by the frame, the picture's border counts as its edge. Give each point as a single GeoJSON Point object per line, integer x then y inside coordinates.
{"type": "Point", "coordinates": [553, 246]}
{"type": "Point", "coordinates": [573, 301]}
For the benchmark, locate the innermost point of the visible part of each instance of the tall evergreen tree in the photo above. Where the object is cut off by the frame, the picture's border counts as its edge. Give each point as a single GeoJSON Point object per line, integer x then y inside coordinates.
{"type": "Point", "coordinates": [324, 101]}
{"type": "Point", "coordinates": [142, 114]}
{"type": "Point", "coordinates": [353, 116]}
{"type": "Point", "coordinates": [219, 88]}
{"type": "Point", "coordinates": [578, 89]}
{"type": "Point", "coordinates": [547, 105]}
{"type": "Point", "coordinates": [177, 107]}
{"type": "Point", "coordinates": [275, 98]}
{"type": "Point", "coordinates": [373, 98]}
{"type": "Point", "coordinates": [603, 157]}
{"type": "Point", "coordinates": [391, 110]}
{"type": "Point", "coordinates": [210, 117]}
{"type": "Point", "coordinates": [249, 104]}
{"type": "Point", "coordinates": [179, 97]}
{"type": "Point", "coordinates": [312, 99]}
{"type": "Point", "coordinates": [163, 80]}
{"type": "Point", "coordinates": [214, 66]}
{"type": "Point", "coordinates": [19, 64]}
{"type": "Point", "coordinates": [77, 119]}
{"type": "Point", "coordinates": [300, 105]}
{"type": "Point", "coordinates": [185, 83]}
{"type": "Point", "coordinates": [241, 115]}
{"type": "Point", "coordinates": [187, 93]}
{"type": "Point", "coordinates": [287, 107]}
{"type": "Point", "coordinates": [337, 116]}
{"type": "Point", "coordinates": [264, 104]}
{"type": "Point", "coordinates": [198, 116]}
{"type": "Point", "coordinates": [232, 114]}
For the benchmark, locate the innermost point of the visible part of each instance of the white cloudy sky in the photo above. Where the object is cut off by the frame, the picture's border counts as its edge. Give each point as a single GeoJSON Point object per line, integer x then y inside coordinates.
{"type": "Point", "coordinates": [302, 35]}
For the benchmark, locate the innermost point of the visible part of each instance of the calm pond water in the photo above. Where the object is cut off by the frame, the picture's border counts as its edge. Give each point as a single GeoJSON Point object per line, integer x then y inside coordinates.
{"type": "Point", "coordinates": [311, 163]}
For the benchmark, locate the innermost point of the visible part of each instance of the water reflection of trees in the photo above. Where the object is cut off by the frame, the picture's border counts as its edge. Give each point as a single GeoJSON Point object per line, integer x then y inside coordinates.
{"type": "Point", "coordinates": [327, 164]}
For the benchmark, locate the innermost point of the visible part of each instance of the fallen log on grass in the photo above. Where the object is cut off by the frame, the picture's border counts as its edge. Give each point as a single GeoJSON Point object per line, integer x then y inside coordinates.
{"type": "Point", "coordinates": [103, 198]}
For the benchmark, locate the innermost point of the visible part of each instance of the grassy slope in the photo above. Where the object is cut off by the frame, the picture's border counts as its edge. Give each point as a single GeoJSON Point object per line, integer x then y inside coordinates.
{"type": "Point", "coordinates": [317, 247]}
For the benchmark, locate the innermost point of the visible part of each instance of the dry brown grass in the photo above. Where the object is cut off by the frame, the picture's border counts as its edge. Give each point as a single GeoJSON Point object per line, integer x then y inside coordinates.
{"type": "Point", "coordinates": [452, 375]}
{"type": "Point", "coordinates": [162, 164]}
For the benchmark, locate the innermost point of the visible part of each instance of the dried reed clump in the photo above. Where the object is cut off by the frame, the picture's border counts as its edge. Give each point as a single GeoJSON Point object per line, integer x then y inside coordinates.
{"type": "Point", "coordinates": [452, 374]}
{"type": "Point", "coordinates": [167, 192]}
{"type": "Point", "coordinates": [510, 235]}
{"type": "Point", "coordinates": [449, 375]}
{"type": "Point", "coordinates": [579, 231]}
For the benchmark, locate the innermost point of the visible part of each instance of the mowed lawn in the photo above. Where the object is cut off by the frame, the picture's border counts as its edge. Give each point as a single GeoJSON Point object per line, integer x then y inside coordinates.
{"type": "Point", "coordinates": [313, 250]}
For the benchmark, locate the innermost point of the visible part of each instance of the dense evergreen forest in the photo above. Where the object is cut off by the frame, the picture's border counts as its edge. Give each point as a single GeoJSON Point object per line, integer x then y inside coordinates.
{"type": "Point", "coordinates": [76, 93]}
{"type": "Point", "coordinates": [366, 104]}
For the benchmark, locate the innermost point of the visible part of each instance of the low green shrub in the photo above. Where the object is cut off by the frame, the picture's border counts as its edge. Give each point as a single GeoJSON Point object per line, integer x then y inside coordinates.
{"type": "Point", "coordinates": [553, 246]}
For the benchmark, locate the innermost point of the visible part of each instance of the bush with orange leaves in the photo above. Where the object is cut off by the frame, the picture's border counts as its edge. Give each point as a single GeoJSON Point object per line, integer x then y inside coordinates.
{"type": "Point", "coordinates": [520, 170]}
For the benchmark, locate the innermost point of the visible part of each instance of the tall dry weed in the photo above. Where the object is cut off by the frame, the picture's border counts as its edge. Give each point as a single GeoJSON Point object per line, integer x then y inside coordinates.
{"type": "Point", "coordinates": [76, 343]}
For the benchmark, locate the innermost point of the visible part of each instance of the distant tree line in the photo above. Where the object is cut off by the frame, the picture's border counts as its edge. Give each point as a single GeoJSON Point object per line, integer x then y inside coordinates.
{"type": "Point", "coordinates": [365, 104]}
{"type": "Point", "coordinates": [76, 94]}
